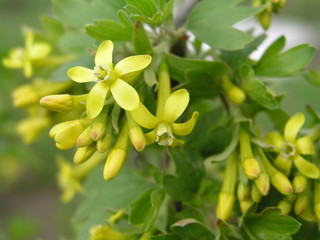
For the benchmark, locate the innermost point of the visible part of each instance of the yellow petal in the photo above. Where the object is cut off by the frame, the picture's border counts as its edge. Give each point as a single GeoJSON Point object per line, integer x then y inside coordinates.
{"type": "Point", "coordinates": [283, 164]}
{"type": "Point", "coordinates": [125, 95]}
{"type": "Point", "coordinates": [96, 99]}
{"type": "Point", "coordinates": [81, 74]}
{"type": "Point", "coordinates": [305, 146]}
{"type": "Point", "coordinates": [175, 105]}
{"type": "Point", "coordinates": [40, 50]}
{"type": "Point", "coordinates": [305, 167]}
{"type": "Point", "coordinates": [275, 139]}
{"type": "Point", "coordinates": [293, 126]}
{"type": "Point", "coordinates": [185, 128]}
{"type": "Point", "coordinates": [29, 39]}
{"type": "Point", "coordinates": [15, 59]}
{"type": "Point", "coordinates": [27, 69]}
{"type": "Point", "coordinates": [151, 137]}
{"type": "Point", "coordinates": [130, 67]}
{"type": "Point", "coordinates": [104, 54]}
{"type": "Point", "coordinates": [144, 118]}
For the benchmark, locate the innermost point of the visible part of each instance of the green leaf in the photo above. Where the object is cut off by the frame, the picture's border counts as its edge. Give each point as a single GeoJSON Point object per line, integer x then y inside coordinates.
{"type": "Point", "coordinates": [109, 30]}
{"type": "Point", "coordinates": [170, 236]}
{"type": "Point", "coordinates": [191, 229]}
{"type": "Point", "coordinates": [141, 42]}
{"type": "Point", "coordinates": [148, 11]}
{"type": "Point", "coordinates": [77, 13]}
{"type": "Point", "coordinates": [313, 77]}
{"type": "Point", "coordinates": [178, 67]}
{"type": "Point", "coordinates": [270, 225]}
{"type": "Point", "coordinates": [200, 84]}
{"type": "Point", "coordinates": [257, 90]}
{"type": "Point", "coordinates": [276, 64]}
{"type": "Point", "coordinates": [182, 187]}
{"type": "Point", "coordinates": [101, 195]}
{"type": "Point", "coordinates": [76, 43]}
{"type": "Point", "coordinates": [144, 210]}
{"type": "Point", "coordinates": [211, 21]}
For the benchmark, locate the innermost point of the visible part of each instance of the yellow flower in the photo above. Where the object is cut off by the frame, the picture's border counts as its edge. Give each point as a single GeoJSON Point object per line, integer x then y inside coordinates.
{"type": "Point", "coordinates": [164, 125]}
{"type": "Point", "coordinates": [108, 78]}
{"type": "Point", "coordinates": [27, 56]}
{"type": "Point", "coordinates": [290, 148]}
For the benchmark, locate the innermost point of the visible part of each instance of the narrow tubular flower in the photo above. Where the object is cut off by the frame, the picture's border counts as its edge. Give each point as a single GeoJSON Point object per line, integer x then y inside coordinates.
{"type": "Point", "coordinates": [110, 78]}
{"type": "Point", "coordinates": [291, 149]}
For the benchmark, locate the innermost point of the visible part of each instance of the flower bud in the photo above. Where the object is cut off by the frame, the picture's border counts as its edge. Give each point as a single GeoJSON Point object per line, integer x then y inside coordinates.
{"type": "Point", "coordinates": [58, 103]}
{"type": "Point", "coordinates": [244, 205]}
{"type": "Point", "coordinates": [236, 95]}
{"type": "Point", "coordinates": [85, 138]}
{"type": "Point", "coordinates": [104, 143]}
{"type": "Point", "coordinates": [255, 195]}
{"type": "Point", "coordinates": [84, 153]}
{"type": "Point", "coordinates": [243, 191]}
{"type": "Point", "coordinates": [285, 205]}
{"type": "Point", "coordinates": [99, 127]}
{"type": "Point", "coordinates": [24, 96]}
{"type": "Point", "coordinates": [135, 133]}
{"type": "Point", "coordinates": [301, 203]}
{"type": "Point", "coordinates": [115, 160]}
{"type": "Point", "coordinates": [299, 183]}
{"type": "Point", "coordinates": [31, 128]}
{"type": "Point", "coordinates": [225, 205]}
{"type": "Point", "coordinates": [281, 183]}
{"type": "Point", "coordinates": [265, 19]}
{"type": "Point", "coordinates": [283, 164]}
{"type": "Point", "coordinates": [263, 184]}
{"type": "Point", "coordinates": [251, 168]}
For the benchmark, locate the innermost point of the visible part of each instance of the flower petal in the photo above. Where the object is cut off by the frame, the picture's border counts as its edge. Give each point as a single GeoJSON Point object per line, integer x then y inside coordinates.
{"type": "Point", "coordinates": [40, 50]}
{"type": "Point", "coordinates": [283, 164]}
{"type": "Point", "coordinates": [305, 145]}
{"type": "Point", "coordinates": [129, 68]}
{"type": "Point", "coordinates": [186, 127]}
{"type": "Point", "coordinates": [81, 74]}
{"type": "Point", "coordinates": [305, 167]}
{"type": "Point", "coordinates": [96, 98]}
{"type": "Point", "coordinates": [27, 69]}
{"type": "Point", "coordinates": [15, 59]}
{"type": "Point", "coordinates": [275, 139]}
{"type": "Point", "coordinates": [175, 105]}
{"type": "Point", "coordinates": [125, 95]}
{"type": "Point", "coordinates": [104, 54]}
{"type": "Point", "coordinates": [293, 126]}
{"type": "Point", "coordinates": [144, 118]}
{"type": "Point", "coordinates": [151, 137]}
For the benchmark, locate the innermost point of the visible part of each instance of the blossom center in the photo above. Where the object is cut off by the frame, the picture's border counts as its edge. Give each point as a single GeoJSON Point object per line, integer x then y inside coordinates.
{"type": "Point", "coordinates": [164, 134]}
{"type": "Point", "coordinates": [288, 150]}
{"type": "Point", "coordinates": [104, 73]}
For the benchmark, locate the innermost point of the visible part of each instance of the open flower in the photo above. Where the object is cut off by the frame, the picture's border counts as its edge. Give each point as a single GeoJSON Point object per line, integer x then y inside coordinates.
{"type": "Point", "coordinates": [163, 126]}
{"type": "Point", "coordinates": [108, 78]}
{"type": "Point", "coordinates": [27, 56]}
{"type": "Point", "coordinates": [290, 148]}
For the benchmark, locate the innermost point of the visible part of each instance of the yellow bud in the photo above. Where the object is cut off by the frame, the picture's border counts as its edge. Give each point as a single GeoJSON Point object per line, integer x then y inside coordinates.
{"type": "Point", "coordinates": [281, 183]}
{"type": "Point", "coordinates": [24, 96]}
{"type": "Point", "coordinates": [84, 153]}
{"type": "Point", "coordinates": [56, 128]}
{"type": "Point", "coordinates": [285, 206]}
{"type": "Point", "coordinates": [251, 168]}
{"type": "Point", "coordinates": [225, 205]}
{"type": "Point", "coordinates": [244, 205]}
{"type": "Point", "coordinates": [85, 138]}
{"type": "Point", "coordinates": [300, 183]}
{"type": "Point", "coordinates": [62, 147]}
{"type": "Point", "coordinates": [301, 203]}
{"type": "Point", "coordinates": [99, 127]}
{"type": "Point", "coordinates": [265, 18]}
{"type": "Point", "coordinates": [68, 135]}
{"type": "Point", "coordinates": [263, 184]}
{"type": "Point", "coordinates": [236, 95]}
{"type": "Point", "coordinates": [104, 143]}
{"type": "Point", "coordinates": [255, 195]}
{"type": "Point", "coordinates": [137, 138]}
{"type": "Point", "coordinates": [243, 191]}
{"type": "Point", "coordinates": [317, 210]}
{"type": "Point", "coordinates": [115, 160]}
{"type": "Point", "coordinates": [59, 103]}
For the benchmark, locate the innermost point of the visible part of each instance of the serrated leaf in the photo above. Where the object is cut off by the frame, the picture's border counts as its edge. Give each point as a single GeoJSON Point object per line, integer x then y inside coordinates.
{"type": "Point", "coordinates": [191, 229]}
{"type": "Point", "coordinates": [77, 13]}
{"type": "Point", "coordinates": [144, 210]}
{"type": "Point", "coordinates": [270, 225]}
{"type": "Point", "coordinates": [211, 21]}
{"type": "Point", "coordinates": [289, 63]}
{"type": "Point", "coordinates": [178, 67]}
{"type": "Point", "coordinates": [140, 39]}
{"type": "Point", "coordinates": [109, 30]}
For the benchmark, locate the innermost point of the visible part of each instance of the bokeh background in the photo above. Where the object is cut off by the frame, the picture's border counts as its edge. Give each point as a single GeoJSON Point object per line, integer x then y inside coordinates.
{"type": "Point", "coordinates": [29, 197]}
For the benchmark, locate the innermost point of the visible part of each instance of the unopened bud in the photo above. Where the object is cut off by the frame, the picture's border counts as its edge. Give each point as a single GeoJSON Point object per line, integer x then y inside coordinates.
{"type": "Point", "coordinates": [243, 191]}
{"type": "Point", "coordinates": [225, 205]}
{"type": "Point", "coordinates": [317, 210]}
{"type": "Point", "coordinates": [115, 160]}
{"type": "Point", "coordinates": [99, 127]}
{"type": "Point", "coordinates": [58, 103]}
{"type": "Point", "coordinates": [245, 204]}
{"type": "Point", "coordinates": [236, 95]}
{"type": "Point", "coordinates": [265, 19]}
{"type": "Point", "coordinates": [137, 138]}
{"type": "Point", "coordinates": [24, 96]}
{"type": "Point", "coordinates": [285, 206]}
{"type": "Point", "coordinates": [84, 153]}
{"type": "Point", "coordinates": [104, 143]}
{"type": "Point", "coordinates": [263, 184]}
{"type": "Point", "coordinates": [31, 128]}
{"type": "Point", "coordinates": [85, 138]}
{"type": "Point", "coordinates": [255, 195]}
{"type": "Point", "coordinates": [299, 183]}
{"type": "Point", "coordinates": [281, 183]}
{"type": "Point", "coordinates": [283, 164]}
{"type": "Point", "coordinates": [251, 168]}
{"type": "Point", "coordinates": [301, 203]}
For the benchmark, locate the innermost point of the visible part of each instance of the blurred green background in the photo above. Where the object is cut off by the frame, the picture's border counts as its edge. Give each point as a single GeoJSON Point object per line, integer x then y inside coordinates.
{"type": "Point", "coordinates": [29, 198]}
